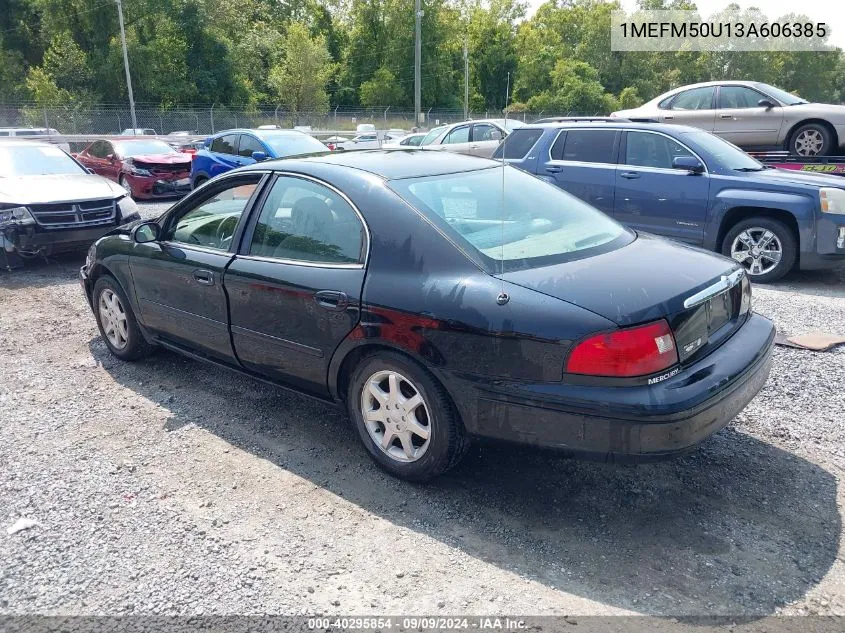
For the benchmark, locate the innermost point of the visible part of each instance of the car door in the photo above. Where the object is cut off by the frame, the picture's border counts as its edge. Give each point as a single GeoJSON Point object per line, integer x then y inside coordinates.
{"type": "Point", "coordinates": [695, 107]}
{"type": "Point", "coordinates": [653, 196]}
{"type": "Point", "coordinates": [94, 157]}
{"type": "Point", "coordinates": [583, 162]}
{"type": "Point", "coordinates": [457, 140]}
{"type": "Point", "coordinates": [744, 123]}
{"type": "Point", "coordinates": [178, 279]}
{"type": "Point", "coordinates": [485, 139]}
{"type": "Point", "coordinates": [113, 161]}
{"type": "Point", "coordinates": [295, 286]}
{"type": "Point", "coordinates": [224, 152]}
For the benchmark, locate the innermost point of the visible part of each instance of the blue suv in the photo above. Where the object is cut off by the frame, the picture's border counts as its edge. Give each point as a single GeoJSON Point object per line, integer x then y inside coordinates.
{"type": "Point", "coordinates": [692, 186]}
{"type": "Point", "coordinates": [236, 148]}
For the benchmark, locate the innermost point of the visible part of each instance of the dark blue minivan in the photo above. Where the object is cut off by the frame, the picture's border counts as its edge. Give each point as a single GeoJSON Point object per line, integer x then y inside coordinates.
{"type": "Point", "coordinates": [692, 186]}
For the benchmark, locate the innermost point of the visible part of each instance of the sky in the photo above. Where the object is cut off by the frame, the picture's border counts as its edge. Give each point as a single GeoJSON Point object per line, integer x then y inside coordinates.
{"type": "Point", "coordinates": [831, 12]}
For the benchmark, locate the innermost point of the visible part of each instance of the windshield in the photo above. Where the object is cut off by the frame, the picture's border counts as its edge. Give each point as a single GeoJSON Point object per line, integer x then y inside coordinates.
{"type": "Point", "coordinates": [781, 95]}
{"type": "Point", "coordinates": [538, 224]}
{"type": "Point", "coordinates": [142, 148]}
{"type": "Point", "coordinates": [727, 154]}
{"type": "Point", "coordinates": [433, 134]}
{"type": "Point", "coordinates": [36, 160]}
{"type": "Point", "coordinates": [292, 144]}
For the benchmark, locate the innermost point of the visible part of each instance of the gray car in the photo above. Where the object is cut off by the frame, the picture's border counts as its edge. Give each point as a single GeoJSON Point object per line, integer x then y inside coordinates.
{"type": "Point", "coordinates": [476, 138]}
{"type": "Point", "coordinates": [752, 115]}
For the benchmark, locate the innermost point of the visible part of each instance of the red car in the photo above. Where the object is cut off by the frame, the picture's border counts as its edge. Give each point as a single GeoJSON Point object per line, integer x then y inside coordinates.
{"type": "Point", "coordinates": [145, 167]}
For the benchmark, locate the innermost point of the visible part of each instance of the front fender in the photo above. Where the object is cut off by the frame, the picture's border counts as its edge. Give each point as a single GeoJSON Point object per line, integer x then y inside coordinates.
{"type": "Point", "coordinates": [801, 206]}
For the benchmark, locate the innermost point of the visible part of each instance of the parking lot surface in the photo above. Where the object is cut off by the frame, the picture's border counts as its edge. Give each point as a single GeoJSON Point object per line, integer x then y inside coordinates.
{"type": "Point", "coordinates": [170, 487]}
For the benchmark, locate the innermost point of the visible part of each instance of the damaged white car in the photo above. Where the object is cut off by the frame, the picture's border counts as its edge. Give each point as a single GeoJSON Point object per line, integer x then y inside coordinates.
{"type": "Point", "coordinates": [50, 203]}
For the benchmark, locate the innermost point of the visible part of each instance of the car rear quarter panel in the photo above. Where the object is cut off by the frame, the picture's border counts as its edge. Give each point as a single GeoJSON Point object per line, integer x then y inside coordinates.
{"type": "Point", "coordinates": [801, 206]}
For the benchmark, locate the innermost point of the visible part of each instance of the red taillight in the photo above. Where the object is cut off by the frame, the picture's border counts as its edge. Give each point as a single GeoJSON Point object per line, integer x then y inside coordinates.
{"type": "Point", "coordinates": [636, 351]}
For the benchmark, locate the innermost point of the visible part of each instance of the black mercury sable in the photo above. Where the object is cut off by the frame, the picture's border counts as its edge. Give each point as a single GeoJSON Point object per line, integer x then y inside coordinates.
{"type": "Point", "coordinates": [440, 297]}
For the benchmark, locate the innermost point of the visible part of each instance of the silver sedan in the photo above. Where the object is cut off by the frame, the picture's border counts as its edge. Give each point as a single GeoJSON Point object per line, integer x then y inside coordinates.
{"type": "Point", "coordinates": [752, 115]}
{"type": "Point", "coordinates": [477, 138]}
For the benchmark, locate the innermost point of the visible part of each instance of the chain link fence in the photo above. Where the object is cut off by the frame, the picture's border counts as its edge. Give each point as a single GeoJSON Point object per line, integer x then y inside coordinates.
{"type": "Point", "coordinates": [112, 119]}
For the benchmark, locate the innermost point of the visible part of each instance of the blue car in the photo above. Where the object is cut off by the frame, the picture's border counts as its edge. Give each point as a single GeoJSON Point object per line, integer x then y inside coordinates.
{"type": "Point", "coordinates": [236, 148]}
{"type": "Point", "coordinates": [692, 186]}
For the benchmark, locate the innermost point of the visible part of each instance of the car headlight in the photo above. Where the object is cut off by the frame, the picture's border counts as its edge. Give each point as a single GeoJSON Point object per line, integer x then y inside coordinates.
{"type": "Point", "coordinates": [15, 215]}
{"type": "Point", "coordinates": [832, 200]}
{"type": "Point", "coordinates": [137, 171]}
{"type": "Point", "coordinates": [127, 207]}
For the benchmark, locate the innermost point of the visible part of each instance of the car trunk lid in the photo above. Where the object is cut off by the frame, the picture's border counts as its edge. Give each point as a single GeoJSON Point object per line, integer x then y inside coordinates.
{"type": "Point", "coordinates": [651, 278]}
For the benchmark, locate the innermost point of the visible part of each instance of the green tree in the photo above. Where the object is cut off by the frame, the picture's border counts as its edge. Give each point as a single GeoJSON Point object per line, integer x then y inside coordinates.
{"type": "Point", "coordinates": [300, 77]}
{"type": "Point", "coordinates": [381, 89]}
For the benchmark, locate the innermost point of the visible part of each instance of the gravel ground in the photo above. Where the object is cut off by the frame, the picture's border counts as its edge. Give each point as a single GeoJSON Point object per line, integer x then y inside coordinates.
{"type": "Point", "coordinates": [168, 487]}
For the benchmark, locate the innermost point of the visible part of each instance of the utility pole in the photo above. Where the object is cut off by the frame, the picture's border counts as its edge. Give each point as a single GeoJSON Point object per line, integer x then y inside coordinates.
{"type": "Point", "coordinates": [466, 82]}
{"type": "Point", "coordinates": [126, 66]}
{"type": "Point", "coordinates": [417, 62]}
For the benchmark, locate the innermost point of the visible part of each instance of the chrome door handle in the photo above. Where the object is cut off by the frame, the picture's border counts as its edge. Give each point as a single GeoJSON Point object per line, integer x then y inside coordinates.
{"type": "Point", "coordinates": [554, 169]}
{"type": "Point", "coordinates": [630, 175]}
{"type": "Point", "coordinates": [332, 300]}
{"type": "Point", "coordinates": [204, 277]}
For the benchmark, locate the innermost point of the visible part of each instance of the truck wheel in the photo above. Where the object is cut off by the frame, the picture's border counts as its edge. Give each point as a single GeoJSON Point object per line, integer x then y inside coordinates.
{"type": "Point", "coordinates": [404, 417]}
{"type": "Point", "coordinates": [117, 322]}
{"type": "Point", "coordinates": [765, 247]}
{"type": "Point", "coordinates": [811, 139]}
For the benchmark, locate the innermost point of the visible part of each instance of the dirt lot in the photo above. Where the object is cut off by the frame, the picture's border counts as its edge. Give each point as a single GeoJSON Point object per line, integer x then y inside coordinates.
{"type": "Point", "coordinates": [169, 487]}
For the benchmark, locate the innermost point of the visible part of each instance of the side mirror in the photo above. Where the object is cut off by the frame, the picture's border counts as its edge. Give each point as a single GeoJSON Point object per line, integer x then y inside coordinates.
{"type": "Point", "coordinates": [145, 232]}
{"type": "Point", "coordinates": [690, 163]}
{"type": "Point", "coordinates": [259, 156]}
{"type": "Point", "coordinates": [766, 103]}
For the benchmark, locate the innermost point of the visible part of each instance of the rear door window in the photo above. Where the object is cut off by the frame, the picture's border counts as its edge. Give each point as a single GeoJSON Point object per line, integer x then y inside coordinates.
{"type": "Point", "coordinates": [590, 146]}
{"type": "Point", "coordinates": [695, 99]}
{"type": "Point", "coordinates": [224, 144]}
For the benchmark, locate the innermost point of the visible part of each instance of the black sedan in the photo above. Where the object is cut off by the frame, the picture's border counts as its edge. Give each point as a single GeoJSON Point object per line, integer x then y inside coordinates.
{"type": "Point", "coordinates": [440, 297]}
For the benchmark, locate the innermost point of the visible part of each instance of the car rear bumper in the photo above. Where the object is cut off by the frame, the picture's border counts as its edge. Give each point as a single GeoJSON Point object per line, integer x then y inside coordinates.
{"type": "Point", "coordinates": [636, 423]}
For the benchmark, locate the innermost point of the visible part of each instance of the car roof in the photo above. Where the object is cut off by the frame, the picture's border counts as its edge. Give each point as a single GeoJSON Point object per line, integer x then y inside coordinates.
{"type": "Point", "coordinates": [261, 133]}
{"type": "Point", "coordinates": [623, 124]}
{"type": "Point", "coordinates": [390, 164]}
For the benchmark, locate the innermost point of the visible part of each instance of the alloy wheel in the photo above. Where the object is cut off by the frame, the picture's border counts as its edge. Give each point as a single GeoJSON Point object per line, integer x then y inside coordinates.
{"type": "Point", "coordinates": [113, 319]}
{"type": "Point", "coordinates": [758, 249]}
{"type": "Point", "coordinates": [396, 416]}
{"type": "Point", "coordinates": [808, 143]}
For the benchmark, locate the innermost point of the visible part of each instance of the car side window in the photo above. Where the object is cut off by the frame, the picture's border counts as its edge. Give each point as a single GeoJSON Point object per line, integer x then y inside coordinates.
{"type": "Point", "coordinates": [211, 223]}
{"type": "Point", "coordinates": [224, 144]}
{"type": "Point", "coordinates": [486, 132]}
{"type": "Point", "coordinates": [304, 221]}
{"type": "Point", "coordinates": [556, 152]}
{"type": "Point", "coordinates": [249, 144]}
{"type": "Point", "coordinates": [644, 149]}
{"type": "Point", "coordinates": [695, 99]}
{"type": "Point", "coordinates": [590, 146]}
{"type": "Point", "coordinates": [458, 135]}
{"type": "Point", "coordinates": [415, 140]}
{"type": "Point", "coordinates": [738, 97]}
{"type": "Point", "coordinates": [96, 149]}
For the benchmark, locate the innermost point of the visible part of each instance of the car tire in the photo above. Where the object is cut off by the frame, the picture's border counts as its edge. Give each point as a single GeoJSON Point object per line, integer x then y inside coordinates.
{"type": "Point", "coordinates": [198, 182]}
{"type": "Point", "coordinates": [123, 182]}
{"type": "Point", "coordinates": [117, 322]}
{"type": "Point", "coordinates": [746, 234]}
{"type": "Point", "coordinates": [811, 139]}
{"type": "Point", "coordinates": [404, 384]}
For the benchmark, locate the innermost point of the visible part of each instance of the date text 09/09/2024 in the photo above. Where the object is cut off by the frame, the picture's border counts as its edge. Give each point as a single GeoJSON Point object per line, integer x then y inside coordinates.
{"type": "Point", "coordinates": [481, 623]}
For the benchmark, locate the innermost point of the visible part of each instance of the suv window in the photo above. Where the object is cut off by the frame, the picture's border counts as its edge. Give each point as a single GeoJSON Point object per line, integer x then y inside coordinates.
{"type": "Point", "coordinates": [645, 149]}
{"type": "Point", "coordinates": [305, 221]}
{"type": "Point", "coordinates": [590, 146]}
{"type": "Point", "coordinates": [695, 99]}
{"type": "Point", "coordinates": [519, 143]}
{"type": "Point", "coordinates": [224, 144]}
{"type": "Point", "coordinates": [738, 97]}
{"type": "Point", "coordinates": [212, 222]}
{"type": "Point", "coordinates": [458, 135]}
{"type": "Point", "coordinates": [249, 144]}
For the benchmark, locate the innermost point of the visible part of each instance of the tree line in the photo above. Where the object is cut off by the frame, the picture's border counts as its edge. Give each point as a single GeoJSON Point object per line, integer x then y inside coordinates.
{"type": "Point", "coordinates": [310, 56]}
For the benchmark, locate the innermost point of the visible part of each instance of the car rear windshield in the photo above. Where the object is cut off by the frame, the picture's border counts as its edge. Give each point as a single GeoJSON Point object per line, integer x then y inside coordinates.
{"type": "Point", "coordinates": [37, 160]}
{"type": "Point", "coordinates": [510, 219]}
{"type": "Point", "coordinates": [292, 144]}
{"type": "Point", "coordinates": [142, 148]}
{"type": "Point", "coordinates": [518, 143]}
